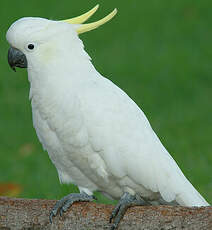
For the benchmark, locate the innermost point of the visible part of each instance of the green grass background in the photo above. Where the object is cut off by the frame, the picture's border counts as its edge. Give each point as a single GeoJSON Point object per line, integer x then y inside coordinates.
{"type": "Point", "coordinates": [159, 52]}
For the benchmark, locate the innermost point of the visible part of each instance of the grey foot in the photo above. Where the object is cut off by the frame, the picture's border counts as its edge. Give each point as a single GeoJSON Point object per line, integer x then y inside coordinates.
{"type": "Point", "coordinates": [124, 203]}
{"type": "Point", "coordinates": [63, 204]}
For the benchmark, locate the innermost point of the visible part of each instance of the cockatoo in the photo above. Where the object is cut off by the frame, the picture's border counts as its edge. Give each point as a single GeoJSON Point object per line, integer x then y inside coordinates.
{"type": "Point", "coordinates": [95, 134]}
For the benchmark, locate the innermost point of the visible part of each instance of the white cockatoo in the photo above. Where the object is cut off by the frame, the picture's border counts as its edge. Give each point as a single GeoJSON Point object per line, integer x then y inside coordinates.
{"type": "Point", "coordinates": [95, 134]}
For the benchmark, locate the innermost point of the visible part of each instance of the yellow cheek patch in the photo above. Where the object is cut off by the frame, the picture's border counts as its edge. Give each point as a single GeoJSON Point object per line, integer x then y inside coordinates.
{"type": "Point", "coordinates": [47, 52]}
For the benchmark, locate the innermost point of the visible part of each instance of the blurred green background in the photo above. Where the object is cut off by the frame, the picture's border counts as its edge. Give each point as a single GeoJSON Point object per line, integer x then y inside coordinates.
{"type": "Point", "coordinates": [159, 52]}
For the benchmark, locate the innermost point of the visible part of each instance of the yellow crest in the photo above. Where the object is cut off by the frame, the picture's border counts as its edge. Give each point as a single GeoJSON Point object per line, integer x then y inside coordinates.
{"type": "Point", "coordinates": [90, 26]}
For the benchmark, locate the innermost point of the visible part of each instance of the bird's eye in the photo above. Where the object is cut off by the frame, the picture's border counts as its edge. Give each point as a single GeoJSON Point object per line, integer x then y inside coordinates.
{"type": "Point", "coordinates": [31, 46]}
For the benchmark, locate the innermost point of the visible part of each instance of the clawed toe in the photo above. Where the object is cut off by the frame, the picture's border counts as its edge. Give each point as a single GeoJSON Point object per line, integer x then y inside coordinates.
{"type": "Point", "coordinates": [62, 205]}
{"type": "Point", "coordinates": [61, 211]}
{"type": "Point", "coordinates": [115, 212]}
{"type": "Point", "coordinates": [53, 213]}
{"type": "Point", "coordinates": [125, 202]}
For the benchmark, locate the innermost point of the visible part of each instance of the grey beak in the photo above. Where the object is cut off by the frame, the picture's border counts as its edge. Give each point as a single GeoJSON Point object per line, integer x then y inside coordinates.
{"type": "Point", "coordinates": [16, 58]}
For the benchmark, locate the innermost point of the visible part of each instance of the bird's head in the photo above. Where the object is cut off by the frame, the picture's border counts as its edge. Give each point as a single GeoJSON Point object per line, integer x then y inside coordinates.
{"type": "Point", "coordinates": [35, 40]}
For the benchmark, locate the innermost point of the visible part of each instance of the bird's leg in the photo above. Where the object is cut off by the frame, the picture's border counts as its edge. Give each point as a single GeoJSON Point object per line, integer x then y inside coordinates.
{"type": "Point", "coordinates": [63, 204]}
{"type": "Point", "coordinates": [124, 203]}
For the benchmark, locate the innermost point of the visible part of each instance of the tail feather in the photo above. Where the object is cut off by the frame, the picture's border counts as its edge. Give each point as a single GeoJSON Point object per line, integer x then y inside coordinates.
{"type": "Point", "coordinates": [191, 197]}
{"type": "Point", "coordinates": [174, 186]}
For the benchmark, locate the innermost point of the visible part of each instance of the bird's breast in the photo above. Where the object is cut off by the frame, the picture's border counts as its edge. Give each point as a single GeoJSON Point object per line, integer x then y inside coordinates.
{"type": "Point", "coordinates": [59, 117]}
{"type": "Point", "coordinates": [63, 133]}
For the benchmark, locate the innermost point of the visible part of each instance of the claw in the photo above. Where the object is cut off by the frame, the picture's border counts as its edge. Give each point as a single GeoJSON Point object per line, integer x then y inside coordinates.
{"type": "Point", "coordinates": [62, 205]}
{"type": "Point", "coordinates": [111, 218]}
{"type": "Point", "coordinates": [50, 219]}
{"type": "Point", "coordinates": [125, 202]}
{"type": "Point", "coordinates": [95, 198]}
{"type": "Point", "coordinates": [61, 212]}
{"type": "Point", "coordinates": [51, 216]}
{"type": "Point", "coordinates": [115, 212]}
{"type": "Point", "coordinates": [114, 226]}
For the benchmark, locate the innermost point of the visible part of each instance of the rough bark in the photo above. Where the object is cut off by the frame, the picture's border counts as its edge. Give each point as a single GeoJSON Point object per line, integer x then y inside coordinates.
{"type": "Point", "coordinates": [25, 214]}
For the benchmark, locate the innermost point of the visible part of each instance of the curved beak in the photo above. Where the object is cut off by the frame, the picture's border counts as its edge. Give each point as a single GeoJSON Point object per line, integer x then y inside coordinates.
{"type": "Point", "coordinates": [16, 58]}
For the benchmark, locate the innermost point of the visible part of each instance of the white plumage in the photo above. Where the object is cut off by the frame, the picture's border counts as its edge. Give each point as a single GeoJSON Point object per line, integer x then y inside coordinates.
{"type": "Point", "coordinates": [96, 136]}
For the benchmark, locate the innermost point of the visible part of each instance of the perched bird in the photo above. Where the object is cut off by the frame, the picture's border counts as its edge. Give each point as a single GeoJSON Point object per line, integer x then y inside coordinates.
{"type": "Point", "coordinates": [95, 134]}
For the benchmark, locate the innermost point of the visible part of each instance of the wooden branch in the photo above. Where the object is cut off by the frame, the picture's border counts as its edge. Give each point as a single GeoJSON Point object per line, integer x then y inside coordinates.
{"type": "Point", "coordinates": [34, 215]}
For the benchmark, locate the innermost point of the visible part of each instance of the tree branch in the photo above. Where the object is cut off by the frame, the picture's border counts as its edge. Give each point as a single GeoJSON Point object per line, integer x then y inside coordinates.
{"type": "Point", "coordinates": [34, 215]}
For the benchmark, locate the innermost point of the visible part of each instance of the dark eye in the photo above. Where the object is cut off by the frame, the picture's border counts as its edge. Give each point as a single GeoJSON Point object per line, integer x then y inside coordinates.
{"type": "Point", "coordinates": [31, 46]}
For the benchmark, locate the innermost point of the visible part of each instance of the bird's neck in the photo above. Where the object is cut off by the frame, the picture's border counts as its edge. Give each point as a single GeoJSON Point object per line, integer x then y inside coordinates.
{"type": "Point", "coordinates": [66, 73]}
